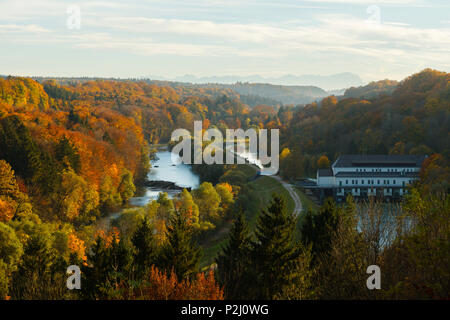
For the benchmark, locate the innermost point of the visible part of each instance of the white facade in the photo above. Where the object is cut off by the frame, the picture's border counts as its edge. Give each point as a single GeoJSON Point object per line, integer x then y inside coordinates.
{"type": "Point", "coordinates": [366, 175]}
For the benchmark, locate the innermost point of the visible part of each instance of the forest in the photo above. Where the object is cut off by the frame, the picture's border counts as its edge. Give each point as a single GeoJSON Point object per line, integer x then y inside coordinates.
{"type": "Point", "coordinates": [74, 150]}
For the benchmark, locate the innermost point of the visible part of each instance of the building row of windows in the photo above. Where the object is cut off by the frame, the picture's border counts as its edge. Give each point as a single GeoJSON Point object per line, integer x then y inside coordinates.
{"type": "Point", "coordinates": [372, 182]}
{"type": "Point", "coordinates": [388, 170]}
{"type": "Point", "coordinates": [341, 190]}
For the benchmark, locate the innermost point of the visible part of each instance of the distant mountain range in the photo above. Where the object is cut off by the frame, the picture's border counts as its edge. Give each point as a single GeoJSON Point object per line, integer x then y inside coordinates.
{"type": "Point", "coordinates": [329, 82]}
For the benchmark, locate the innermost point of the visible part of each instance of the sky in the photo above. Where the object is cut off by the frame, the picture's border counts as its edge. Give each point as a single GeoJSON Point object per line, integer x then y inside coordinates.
{"type": "Point", "coordinates": [375, 39]}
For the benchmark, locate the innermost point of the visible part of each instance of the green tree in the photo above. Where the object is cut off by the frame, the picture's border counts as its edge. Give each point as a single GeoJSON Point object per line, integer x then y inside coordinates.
{"type": "Point", "coordinates": [145, 250]}
{"type": "Point", "coordinates": [109, 197]}
{"type": "Point", "coordinates": [233, 261]}
{"type": "Point", "coordinates": [4, 280]}
{"type": "Point", "coordinates": [317, 228]}
{"type": "Point", "coordinates": [342, 271]}
{"type": "Point", "coordinates": [180, 253]}
{"type": "Point", "coordinates": [208, 201]}
{"type": "Point", "coordinates": [13, 203]}
{"type": "Point", "coordinates": [109, 263]}
{"type": "Point", "coordinates": [10, 247]}
{"type": "Point", "coordinates": [40, 275]}
{"type": "Point", "coordinates": [225, 191]}
{"type": "Point", "coordinates": [67, 154]}
{"type": "Point", "coordinates": [185, 204]}
{"type": "Point", "coordinates": [278, 261]}
{"type": "Point", "coordinates": [126, 187]}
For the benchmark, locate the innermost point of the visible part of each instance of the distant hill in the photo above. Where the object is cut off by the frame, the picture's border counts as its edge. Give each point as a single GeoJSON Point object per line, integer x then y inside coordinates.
{"type": "Point", "coordinates": [284, 94]}
{"type": "Point", "coordinates": [328, 82]}
{"type": "Point", "coordinates": [255, 93]}
{"type": "Point", "coordinates": [372, 90]}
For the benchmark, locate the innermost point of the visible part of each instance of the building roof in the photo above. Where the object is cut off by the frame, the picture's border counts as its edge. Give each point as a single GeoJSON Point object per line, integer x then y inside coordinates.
{"type": "Point", "coordinates": [378, 160]}
{"type": "Point", "coordinates": [325, 172]}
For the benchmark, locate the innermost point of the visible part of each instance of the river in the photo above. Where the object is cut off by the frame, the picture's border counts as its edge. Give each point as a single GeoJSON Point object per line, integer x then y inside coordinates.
{"type": "Point", "coordinates": [163, 170]}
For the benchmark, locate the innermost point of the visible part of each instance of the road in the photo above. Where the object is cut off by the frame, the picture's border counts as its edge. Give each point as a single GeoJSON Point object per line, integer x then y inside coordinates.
{"type": "Point", "coordinates": [290, 189]}
{"type": "Point", "coordinates": [294, 195]}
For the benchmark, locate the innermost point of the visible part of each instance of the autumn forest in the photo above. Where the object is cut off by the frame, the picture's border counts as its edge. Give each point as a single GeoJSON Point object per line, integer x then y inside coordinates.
{"type": "Point", "coordinates": [75, 151]}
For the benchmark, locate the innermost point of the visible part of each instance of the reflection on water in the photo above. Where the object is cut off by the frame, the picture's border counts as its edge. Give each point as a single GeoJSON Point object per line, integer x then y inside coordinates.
{"type": "Point", "coordinates": [163, 170]}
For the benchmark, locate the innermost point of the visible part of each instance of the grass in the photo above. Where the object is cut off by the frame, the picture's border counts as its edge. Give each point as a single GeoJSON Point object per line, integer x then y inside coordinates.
{"type": "Point", "coordinates": [263, 188]}
{"type": "Point", "coordinates": [213, 245]}
{"type": "Point", "coordinates": [307, 202]}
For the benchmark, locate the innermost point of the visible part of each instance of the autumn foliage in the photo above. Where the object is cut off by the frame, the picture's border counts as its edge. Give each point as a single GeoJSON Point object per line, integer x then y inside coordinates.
{"type": "Point", "coordinates": [163, 286]}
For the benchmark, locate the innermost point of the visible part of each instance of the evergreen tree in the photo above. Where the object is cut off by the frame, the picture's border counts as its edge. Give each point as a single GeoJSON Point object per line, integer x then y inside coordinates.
{"type": "Point", "coordinates": [180, 253]}
{"type": "Point", "coordinates": [145, 247]}
{"type": "Point", "coordinates": [108, 265]}
{"type": "Point", "coordinates": [317, 229]}
{"type": "Point", "coordinates": [95, 273]}
{"type": "Point", "coordinates": [39, 275]}
{"type": "Point", "coordinates": [232, 262]}
{"type": "Point", "coordinates": [277, 260]}
{"type": "Point", "coordinates": [18, 148]}
{"type": "Point", "coordinates": [67, 153]}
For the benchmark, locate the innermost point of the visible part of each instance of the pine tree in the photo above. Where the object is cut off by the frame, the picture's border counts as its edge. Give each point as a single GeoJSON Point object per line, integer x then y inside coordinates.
{"type": "Point", "coordinates": [232, 262]}
{"type": "Point", "coordinates": [276, 257]}
{"type": "Point", "coordinates": [317, 229]}
{"type": "Point", "coordinates": [145, 247]}
{"type": "Point", "coordinates": [96, 272]}
{"type": "Point", "coordinates": [67, 153]}
{"type": "Point", "coordinates": [38, 276]}
{"type": "Point", "coordinates": [180, 254]}
{"type": "Point", "coordinates": [108, 265]}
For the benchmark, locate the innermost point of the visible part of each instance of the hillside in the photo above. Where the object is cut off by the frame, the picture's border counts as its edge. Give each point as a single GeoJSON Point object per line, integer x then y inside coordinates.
{"type": "Point", "coordinates": [413, 119]}
{"type": "Point", "coordinates": [372, 90]}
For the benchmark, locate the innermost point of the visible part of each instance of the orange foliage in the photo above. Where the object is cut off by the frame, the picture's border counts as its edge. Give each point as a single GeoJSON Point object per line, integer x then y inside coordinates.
{"type": "Point", "coordinates": [6, 211]}
{"type": "Point", "coordinates": [162, 286]}
{"type": "Point", "coordinates": [108, 237]}
{"type": "Point", "coordinates": [77, 246]}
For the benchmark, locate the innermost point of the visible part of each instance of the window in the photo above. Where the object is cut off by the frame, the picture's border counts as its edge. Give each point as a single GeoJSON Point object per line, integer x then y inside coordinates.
{"type": "Point", "coordinates": [346, 181]}
{"type": "Point", "coordinates": [340, 183]}
{"type": "Point", "coordinates": [393, 182]}
{"type": "Point", "coordinates": [362, 181]}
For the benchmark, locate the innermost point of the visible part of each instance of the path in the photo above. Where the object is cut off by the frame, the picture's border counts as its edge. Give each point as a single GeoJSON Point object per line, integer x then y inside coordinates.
{"type": "Point", "coordinates": [294, 195]}
{"type": "Point", "coordinates": [290, 189]}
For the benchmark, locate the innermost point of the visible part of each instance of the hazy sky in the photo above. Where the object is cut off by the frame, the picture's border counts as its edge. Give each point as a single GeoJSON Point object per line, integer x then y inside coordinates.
{"type": "Point", "coordinates": [374, 39]}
